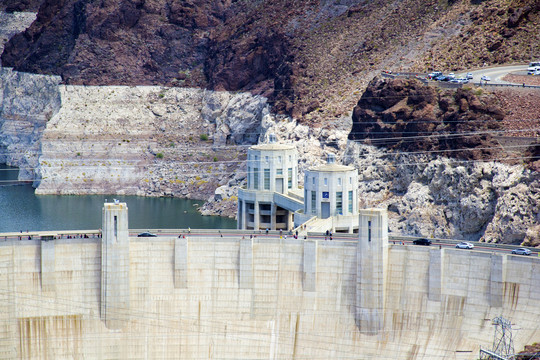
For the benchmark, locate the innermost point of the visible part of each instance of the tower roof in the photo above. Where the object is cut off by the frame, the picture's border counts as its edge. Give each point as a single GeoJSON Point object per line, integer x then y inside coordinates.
{"type": "Point", "coordinates": [332, 167]}
{"type": "Point", "coordinates": [272, 147]}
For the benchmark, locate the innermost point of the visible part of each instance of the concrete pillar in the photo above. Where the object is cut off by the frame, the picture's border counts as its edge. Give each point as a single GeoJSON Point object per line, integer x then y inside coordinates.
{"type": "Point", "coordinates": [496, 281]}
{"type": "Point", "coordinates": [434, 275]}
{"type": "Point", "coordinates": [372, 257]}
{"type": "Point", "coordinates": [240, 215]}
{"type": "Point", "coordinates": [181, 263]}
{"type": "Point", "coordinates": [245, 215]}
{"type": "Point", "coordinates": [115, 266]}
{"type": "Point", "coordinates": [273, 216]}
{"type": "Point", "coordinates": [48, 274]}
{"type": "Point", "coordinates": [289, 220]}
{"type": "Point", "coordinates": [310, 266]}
{"type": "Point", "coordinates": [257, 216]}
{"type": "Point", "coordinates": [245, 264]}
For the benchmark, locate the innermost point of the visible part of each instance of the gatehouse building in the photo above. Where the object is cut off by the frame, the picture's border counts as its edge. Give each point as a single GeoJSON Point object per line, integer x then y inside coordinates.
{"type": "Point", "coordinates": [273, 199]}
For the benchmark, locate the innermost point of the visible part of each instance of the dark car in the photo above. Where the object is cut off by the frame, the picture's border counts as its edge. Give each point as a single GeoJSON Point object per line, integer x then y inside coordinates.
{"type": "Point", "coordinates": [147, 234]}
{"type": "Point", "coordinates": [422, 241]}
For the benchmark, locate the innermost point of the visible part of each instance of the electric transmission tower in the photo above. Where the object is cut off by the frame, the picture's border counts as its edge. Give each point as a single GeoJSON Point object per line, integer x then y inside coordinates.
{"type": "Point", "coordinates": [503, 344]}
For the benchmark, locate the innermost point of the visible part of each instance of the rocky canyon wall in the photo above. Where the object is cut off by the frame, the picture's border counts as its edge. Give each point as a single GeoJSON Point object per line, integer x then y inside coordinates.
{"type": "Point", "coordinates": [150, 141]}
{"type": "Point", "coordinates": [27, 102]}
{"type": "Point", "coordinates": [158, 141]}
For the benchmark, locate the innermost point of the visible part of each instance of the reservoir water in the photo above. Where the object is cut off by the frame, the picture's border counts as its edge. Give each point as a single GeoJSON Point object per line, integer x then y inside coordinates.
{"type": "Point", "coordinates": [22, 210]}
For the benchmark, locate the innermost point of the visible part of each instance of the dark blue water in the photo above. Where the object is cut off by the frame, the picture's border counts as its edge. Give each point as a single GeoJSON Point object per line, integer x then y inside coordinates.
{"type": "Point", "coordinates": [22, 210]}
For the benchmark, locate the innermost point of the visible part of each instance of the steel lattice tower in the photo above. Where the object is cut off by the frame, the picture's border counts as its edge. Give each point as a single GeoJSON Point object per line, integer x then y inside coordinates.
{"type": "Point", "coordinates": [503, 344]}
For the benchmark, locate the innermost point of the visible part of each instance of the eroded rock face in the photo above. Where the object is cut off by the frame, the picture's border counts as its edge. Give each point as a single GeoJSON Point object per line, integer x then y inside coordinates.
{"type": "Point", "coordinates": [150, 141]}
{"type": "Point", "coordinates": [532, 237]}
{"type": "Point", "coordinates": [27, 102]}
{"type": "Point", "coordinates": [117, 42]}
{"type": "Point", "coordinates": [440, 197]}
{"type": "Point", "coordinates": [13, 23]}
{"type": "Point", "coordinates": [237, 118]}
{"type": "Point", "coordinates": [20, 5]}
{"type": "Point", "coordinates": [407, 115]}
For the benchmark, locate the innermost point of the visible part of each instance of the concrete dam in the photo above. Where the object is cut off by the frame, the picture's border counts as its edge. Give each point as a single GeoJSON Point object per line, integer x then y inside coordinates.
{"type": "Point", "coordinates": [236, 297]}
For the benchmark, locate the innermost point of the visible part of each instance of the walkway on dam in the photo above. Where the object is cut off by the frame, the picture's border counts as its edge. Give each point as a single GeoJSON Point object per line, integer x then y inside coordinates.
{"type": "Point", "coordinates": [314, 232]}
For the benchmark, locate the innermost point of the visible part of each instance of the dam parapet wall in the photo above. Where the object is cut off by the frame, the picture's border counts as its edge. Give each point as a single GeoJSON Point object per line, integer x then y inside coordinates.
{"type": "Point", "coordinates": [266, 297]}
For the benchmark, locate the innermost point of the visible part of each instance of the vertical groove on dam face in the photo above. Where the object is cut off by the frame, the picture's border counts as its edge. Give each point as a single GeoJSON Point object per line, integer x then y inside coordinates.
{"type": "Point", "coordinates": [274, 316]}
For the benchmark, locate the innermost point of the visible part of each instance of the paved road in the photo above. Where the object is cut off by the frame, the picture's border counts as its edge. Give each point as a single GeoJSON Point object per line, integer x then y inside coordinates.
{"type": "Point", "coordinates": [496, 73]}
{"type": "Point", "coordinates": [337, 237]}
{"type": "Point", "coordinates": [261, 235]}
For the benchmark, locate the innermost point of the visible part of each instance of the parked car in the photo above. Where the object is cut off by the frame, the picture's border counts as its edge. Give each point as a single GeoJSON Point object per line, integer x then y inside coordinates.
{"type": "Point", "coordinates": [443, 78]}
{"type": "Point", "coordinates": [422, 241]}
{"type": "Point", "coordinates": [462, 80]}
{"type": "Point", "coordinates": [521, 251]}
{"type": "Point", "coordinates": [434, 74]}
{"type": "Point", "coordinates": [469, 76]}
{"type": "Point", "coordinates": [451, 75]}
{"type": "Point", "coordinates": [464, 245]}
{"type": "Point", "coordinates": [147, 234]}
{"type": "Point", "coordinates": [485, 78]}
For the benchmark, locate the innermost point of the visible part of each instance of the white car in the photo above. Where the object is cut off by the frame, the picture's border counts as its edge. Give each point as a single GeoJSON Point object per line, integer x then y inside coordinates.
{"type": "Point", "coordinates": [469, 76]}
{"type": "Point", "coordinates": [464, 245]}
{"type": "Point", "coordinates": [521, 251]}
{"type": "Point", "coordinates": [460, 80]}
{"type": "Point", "coordinates": [452, 75]}
{"type": "Point", "coordinates": [485, 78]}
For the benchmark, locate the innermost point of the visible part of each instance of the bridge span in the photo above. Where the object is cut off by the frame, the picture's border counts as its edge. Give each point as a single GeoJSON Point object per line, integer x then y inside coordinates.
{"type": "Point", "coordinates": [234, 295]}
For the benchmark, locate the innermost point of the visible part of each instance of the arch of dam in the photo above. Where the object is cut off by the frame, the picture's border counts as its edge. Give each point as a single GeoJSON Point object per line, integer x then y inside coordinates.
{"type": "Point", "coordinates": [236, 297]}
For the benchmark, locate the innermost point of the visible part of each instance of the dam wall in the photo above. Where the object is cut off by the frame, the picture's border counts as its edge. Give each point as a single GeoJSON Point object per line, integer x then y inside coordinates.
{"type": "Point", "coordinates": [208, 297]}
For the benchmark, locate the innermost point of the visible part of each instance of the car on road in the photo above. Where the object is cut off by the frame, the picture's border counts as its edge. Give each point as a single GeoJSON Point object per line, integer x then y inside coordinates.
{"type": "Point", "coordinates": [464, 245]}
{"type": "Point", "coordinates": [533, 66]}
{"type": "Point", "coordinates": [422, 241]}
{"type": "Point", "coordinates": [147, 234]}
{"type": "Point", "coordinates": [434, 74]}
{"type": "Point", "coordinates": [469, 76]}
{"type": "Point", "coordinates": [459, 81]}
{"type": "Point", "coordinates": [451, 75]}
{"type": "Point", "coordinates": [443, 78]}
{"type": "Point", "coordinates": [521, 251]}
{"type": "Point", "coordinates": [485, 78]}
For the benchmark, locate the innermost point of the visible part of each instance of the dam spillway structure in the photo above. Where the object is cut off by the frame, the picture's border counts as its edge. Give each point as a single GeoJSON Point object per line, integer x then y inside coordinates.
{"type": "Point", "coordinates": [235, 297]}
